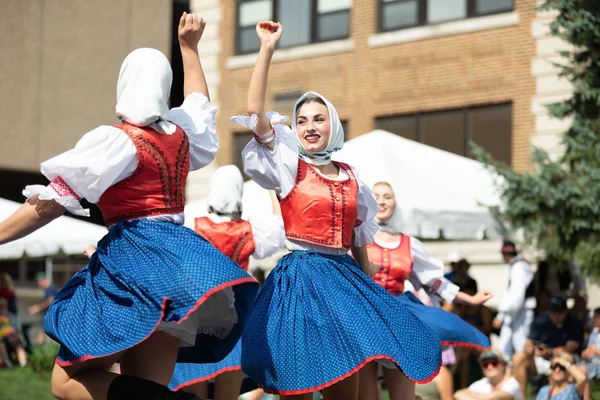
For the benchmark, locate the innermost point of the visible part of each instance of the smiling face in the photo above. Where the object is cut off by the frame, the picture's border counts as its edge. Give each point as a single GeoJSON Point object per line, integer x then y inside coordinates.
{"type": "Point", "coordinates": [493, 369]}
{"type": "Point", "coordinates": [559, 373]}
{"type": "Point", "coordinates": [313, 126]}
{"type": "Point", "coordinates": [386, 201]}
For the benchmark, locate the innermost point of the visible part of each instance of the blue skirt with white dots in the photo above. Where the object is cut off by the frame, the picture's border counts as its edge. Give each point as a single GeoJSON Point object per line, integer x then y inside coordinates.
{"type": "Point", "coordinates": [318, 319]}
{"type": "Point", "coordinates": [145, 273]}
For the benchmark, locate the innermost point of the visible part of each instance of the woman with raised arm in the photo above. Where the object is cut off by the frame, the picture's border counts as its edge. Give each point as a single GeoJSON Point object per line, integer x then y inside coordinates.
{"type": "Point", "coordinates": [401, 258]}
{"type": "Point", "coordinates": [319, 317]}
{"type": "Point", "coordinates": [152, 286]}
{"type": "Point", "coordinates": [238, 239]}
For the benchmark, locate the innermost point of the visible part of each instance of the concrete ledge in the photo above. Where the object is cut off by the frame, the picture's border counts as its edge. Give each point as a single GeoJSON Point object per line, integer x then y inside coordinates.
{"type": "Point", "coordinates": [295, 53]}
{"type": "Point", "coordinates": [445, 29]}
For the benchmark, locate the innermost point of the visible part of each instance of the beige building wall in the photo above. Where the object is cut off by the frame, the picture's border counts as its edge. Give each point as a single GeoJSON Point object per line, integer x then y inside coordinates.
{"type": "Point", "coordinates": [209, 49]}
{"type": "Point", "coordinates": [550, 88]}
{"type": "Point", "coordinates": [59, 65]}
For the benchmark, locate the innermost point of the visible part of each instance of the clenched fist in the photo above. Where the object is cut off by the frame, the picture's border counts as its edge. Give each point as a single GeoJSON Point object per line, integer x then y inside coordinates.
{"type": "Point", "coordinates": [191, 27]}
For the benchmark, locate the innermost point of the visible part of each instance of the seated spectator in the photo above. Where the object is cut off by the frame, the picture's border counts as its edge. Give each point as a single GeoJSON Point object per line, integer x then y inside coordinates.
{"type": "Point", "coordinates": [567, 381]}
{"type": "Point", "coordinates": [591, 355]}
{"type": "Point", "coordinates": [554, 332]}
{"type": "Point", "coordinates": [496, 385]}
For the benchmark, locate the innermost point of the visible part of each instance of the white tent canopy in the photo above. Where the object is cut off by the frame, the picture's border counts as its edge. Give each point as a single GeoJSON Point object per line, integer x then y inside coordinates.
{"type": "Point", "coordinates": [65, 234]}
{"type": "Point", "coordinates": [435, 190]}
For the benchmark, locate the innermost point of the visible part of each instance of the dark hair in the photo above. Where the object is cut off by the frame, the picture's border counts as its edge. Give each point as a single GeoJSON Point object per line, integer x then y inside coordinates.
{"type": "Point", "coordinates": [597, 311]}
{"type": "Point", "coordinates": [311, 98]}
{"type": "Point", "coordinates": [509, 244]}
{"type": "Point", "coordinates": [470, 286]}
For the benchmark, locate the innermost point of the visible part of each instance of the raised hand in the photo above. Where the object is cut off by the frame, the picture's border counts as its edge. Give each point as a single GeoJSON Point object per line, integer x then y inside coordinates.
{"type": "Point", "coordinates": [189, 32]}
{"type": "Point", "coordinates": [269, 33]}
{"type": "Point", "coordinates": [481, 297]}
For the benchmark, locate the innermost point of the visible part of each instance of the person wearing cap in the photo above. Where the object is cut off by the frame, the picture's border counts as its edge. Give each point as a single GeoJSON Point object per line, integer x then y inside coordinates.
{"type": "Point", "coordinates": [496, 385]}
{"type": "Point", "coordinates": [516, 309]}
{"type": "Point", "coordinates": [552, 333]}
{"type": "Point", "coordinates": [50, 291]}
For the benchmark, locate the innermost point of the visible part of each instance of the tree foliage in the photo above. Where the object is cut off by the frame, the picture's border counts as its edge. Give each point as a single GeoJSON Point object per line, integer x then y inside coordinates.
{"type": "Point", "coordinates": [557, 203]}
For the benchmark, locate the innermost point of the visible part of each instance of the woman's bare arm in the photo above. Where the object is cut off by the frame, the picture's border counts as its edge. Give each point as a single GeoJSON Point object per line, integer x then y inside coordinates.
{"type": "Point", "coordinates": [30, 217]}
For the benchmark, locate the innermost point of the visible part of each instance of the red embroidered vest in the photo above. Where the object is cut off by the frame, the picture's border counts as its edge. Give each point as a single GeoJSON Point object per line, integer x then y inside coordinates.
{"type": "Point", "coordinates": [232, 238]}
{"type": "Point", "coordinates": [319, 210]}
{"type": "Point", "coordinates": [395, 264]}
{"type": "Point", "coordinates": [157, 184]}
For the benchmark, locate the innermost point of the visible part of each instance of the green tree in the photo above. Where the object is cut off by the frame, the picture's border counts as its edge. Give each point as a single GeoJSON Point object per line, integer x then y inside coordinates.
{"type": "Point", "coordinates": [557, 203]}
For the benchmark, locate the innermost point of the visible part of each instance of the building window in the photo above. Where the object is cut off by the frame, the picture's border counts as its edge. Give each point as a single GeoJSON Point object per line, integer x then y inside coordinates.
{"type": "Point", "coordinates": [305, 21]}
{"type": "Point", "coordinates": [488, 126]}
{"type": "Point", "coordinates": [400, 14]}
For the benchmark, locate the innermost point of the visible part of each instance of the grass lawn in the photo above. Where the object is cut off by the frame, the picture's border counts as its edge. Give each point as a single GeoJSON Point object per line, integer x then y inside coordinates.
{"type": "Point", "coordinates": [23, 383]}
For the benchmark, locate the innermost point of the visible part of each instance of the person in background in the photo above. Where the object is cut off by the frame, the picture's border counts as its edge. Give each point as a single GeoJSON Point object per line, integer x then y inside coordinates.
{"type": "Point", "coordinates": [453, 259]}
{"type": "Point", "coordinates": [496, 385]}
{"type": "Point", "coordinates": [50, 291]}
{"type": "Point", "coordinates": [553, 333]}
{"type": "Point", "coordinates": [566, 382]}
{"type": "Point", "coordinates": [591, 355]}
{"type": "Point", "coordinates": [516, 309]}
{"type": "Point", "coordinates": [466, 369]}
{"type": "Point", "coordinates": [401, 259]}
{"type": "Point", "coordinates": [553, 281]}
{"type": "Point", "coordinates": [582, 312]}
{"type": "Point", "coordinates": [9, 337]}
{"type": "Point", "coordinates": [462, 279]}
{"type": "Point", "coordinates": [7, 291]}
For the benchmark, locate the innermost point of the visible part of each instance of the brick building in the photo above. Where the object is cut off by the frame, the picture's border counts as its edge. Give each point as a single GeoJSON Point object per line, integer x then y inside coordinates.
{"type": "Point", "coordinates": [443, 72]}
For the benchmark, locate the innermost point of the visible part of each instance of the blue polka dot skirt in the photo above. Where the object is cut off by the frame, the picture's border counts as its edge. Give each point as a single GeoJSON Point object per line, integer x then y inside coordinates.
{"type": "Point", "coordinates": [143, 273]}
{"type": "Point", "coordinates": [449, 328]}
{"type": "Point", "coordinates": [318, 319]}
{"type": "Point", "coordinates": [187, 374]}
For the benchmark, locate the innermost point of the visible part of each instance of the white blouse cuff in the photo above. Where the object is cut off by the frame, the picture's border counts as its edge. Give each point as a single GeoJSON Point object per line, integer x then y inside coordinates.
{"type": "Point", "coordinates": [364, 233]}
{"type": "Point", "coordinates": [197, 99]}
{"type": "Point", "coordinates": [60, 193]}
{"type": "Point", "coordinates": [447, 290]}
{"type": "Point", "coordinates": [251, 121]}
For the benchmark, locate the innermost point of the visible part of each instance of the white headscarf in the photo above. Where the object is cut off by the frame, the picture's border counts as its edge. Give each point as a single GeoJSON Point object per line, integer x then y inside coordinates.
{"type": "Point", "coordinates": [226, 189]}
{"type": "Point", "coordinates": [143, 90]}
{"type": "Point", "coordinates": [336, 137]}
{"type": "Point", "coordinates": [394, 225]}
